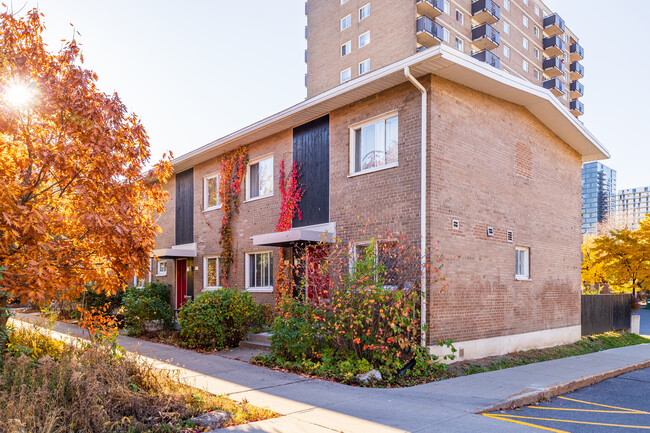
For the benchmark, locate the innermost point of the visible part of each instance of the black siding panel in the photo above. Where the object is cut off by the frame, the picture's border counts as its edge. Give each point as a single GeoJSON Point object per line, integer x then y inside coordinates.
{"type": "Point", "coordinates": [311, 151]}
{"type": "Point", "coordinates": [185, 207]}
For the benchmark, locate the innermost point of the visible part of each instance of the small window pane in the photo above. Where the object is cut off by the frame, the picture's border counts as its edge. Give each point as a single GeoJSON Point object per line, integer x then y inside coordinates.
{"type": "Point", "coordinates": [212, 272]}
{"type": "Point", "coordinates": [364, 12]}
{"type": "Point", "coordinates": [266, 177]}
{"type": "Point", "coordinates": [213, 192]}
{"type": "Point", "coordinates": [376, 145]}
{"type": "Point", "coordinates": [255, 180]}
{"type": "Point", "coordinates": [346, 22]}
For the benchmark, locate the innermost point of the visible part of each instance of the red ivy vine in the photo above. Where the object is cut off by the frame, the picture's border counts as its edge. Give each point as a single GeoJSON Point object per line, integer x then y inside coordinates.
{"type": "Point", "coordinates": [291, 193]}
{"type": "Point", "coordinates": [233, 168]}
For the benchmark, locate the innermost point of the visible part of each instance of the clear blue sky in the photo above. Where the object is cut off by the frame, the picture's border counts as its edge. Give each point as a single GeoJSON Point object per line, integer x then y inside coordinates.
{"type": "Point", "coordinates": [195, 71]}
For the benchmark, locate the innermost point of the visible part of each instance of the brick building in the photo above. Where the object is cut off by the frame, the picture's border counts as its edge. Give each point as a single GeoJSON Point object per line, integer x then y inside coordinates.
{"type": "Point", "coordinates": [480, 162]}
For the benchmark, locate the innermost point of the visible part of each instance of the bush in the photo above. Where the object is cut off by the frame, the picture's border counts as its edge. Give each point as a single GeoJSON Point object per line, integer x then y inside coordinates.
{"type": "Point", "coordinates": [147, 304]}
{"type": "Point", "coordinates": [217, 319]}
{"type": "Point", "coordinates": [296, 335]}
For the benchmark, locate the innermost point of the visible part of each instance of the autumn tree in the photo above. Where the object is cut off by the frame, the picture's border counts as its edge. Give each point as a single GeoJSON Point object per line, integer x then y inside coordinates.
{"type": "Point", "coordinates": [77, 204]}
{"type": "Point", "coordinates": [593, 274]}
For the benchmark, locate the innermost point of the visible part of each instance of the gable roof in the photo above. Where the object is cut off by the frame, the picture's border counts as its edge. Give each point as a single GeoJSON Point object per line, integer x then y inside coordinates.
{"type": "Point", "coordinates": [442, 61]}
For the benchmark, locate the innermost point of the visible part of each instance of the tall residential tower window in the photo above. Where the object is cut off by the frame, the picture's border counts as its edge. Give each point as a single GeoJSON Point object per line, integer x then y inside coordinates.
{"type": "Point", "coordinates": [364, 67]}
{"type": "Point", "coordinates": [459, 44]}
{"type": "Point", "coordinates": [259, 271]}
{"type": "Point", "coordinates": [346, 48]}
{"type": "Point", "coordinates": [211, 197]}
{"type": "Point", "coordinates": [373, 145]}
{"type": "Point", "coordinates": [346, 75]}
{"type": "Point", "coordinates": [364, 12]}
{"type": "Point", "coordinates": [364, 39]}
{"type": "Point", "coordinates": [346, 22]}
{"type": "Point", "coordinates": [260, 178]}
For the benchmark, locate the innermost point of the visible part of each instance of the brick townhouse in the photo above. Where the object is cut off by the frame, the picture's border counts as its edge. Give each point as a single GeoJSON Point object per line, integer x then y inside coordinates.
{"type": "Point", "coordinates": [483, 163]}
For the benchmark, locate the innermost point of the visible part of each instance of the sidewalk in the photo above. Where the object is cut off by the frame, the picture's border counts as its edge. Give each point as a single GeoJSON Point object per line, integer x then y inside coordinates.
{"type": "Point", "coordinates": [312, 405]}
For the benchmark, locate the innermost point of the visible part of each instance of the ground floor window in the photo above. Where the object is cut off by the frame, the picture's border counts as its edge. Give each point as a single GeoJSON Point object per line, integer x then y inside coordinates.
{"type": "Point", "coordinates": [259, 271]}
{"type": "Point", "coordinates": [522, 263]}
{"type": "Point", "coordinates": [211, 272]}
{"type": "Point", "coordinates": [387, 255]}
{"type": "Point", "coordinates": [161, 269]}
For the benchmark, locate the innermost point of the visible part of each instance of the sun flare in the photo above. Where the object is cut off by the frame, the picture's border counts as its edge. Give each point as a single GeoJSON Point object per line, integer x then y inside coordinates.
{"type": "Point", "coordinates": [19, 95]}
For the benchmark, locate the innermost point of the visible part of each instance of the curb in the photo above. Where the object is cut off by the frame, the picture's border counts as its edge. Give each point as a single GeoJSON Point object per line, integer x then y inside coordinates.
{"type": "Point", "coordinates": [533, 396]}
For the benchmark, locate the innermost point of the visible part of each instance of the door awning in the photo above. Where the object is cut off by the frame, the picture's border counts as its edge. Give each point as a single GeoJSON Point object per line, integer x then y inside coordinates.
{"type": "Point", "coordinates": [176, 252]}
{"type": "Point", "coordinates": [308, 235]}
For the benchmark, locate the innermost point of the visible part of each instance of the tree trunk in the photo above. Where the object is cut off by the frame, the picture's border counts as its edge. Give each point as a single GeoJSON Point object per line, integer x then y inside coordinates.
{"type": "Point", "coordinates": [4, 317]}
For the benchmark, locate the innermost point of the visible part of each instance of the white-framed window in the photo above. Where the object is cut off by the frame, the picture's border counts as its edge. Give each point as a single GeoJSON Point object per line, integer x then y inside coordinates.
{"type": "Point", "coordinates": [525, 66]}
{"type": "Point", "coordinates": [447, 7]}
{"type": "Point", "coordinates": [138, 282]}
{"type": "Point", "coordinates": [460, 17]}
{"type": "Point", "coordinates": [536, 10]}
{"type": "Point", "coordinates": [525, 21]}
{"type": "Point", "coordinates": [364, 67]}
{"type": "Point", "coordinates": [506, 28]}
{"type": "Point", "coordinates": [386, 253]}
{"type": "Point", "coordinates": [522, 263]}
{"type": "Point", "coordinates": [506, 4]}
{"type": "Point", "coordinates": [211, 196]}
{"type": "Point", "coordinates": [211, 272]}
{"type": "Point", "coordinates": [536, 31]}
{"type": "Point", "coordinates": [364, 12]}
{"type": "Point", "coordinates": [161, 268]}
{"type": "Point", "coordinates": [445, 35]}
{"type": "Point", "coordinates": [373, 144]}
{"type": "Point", "coordinates": [346, 22]}
{"type": "Point", "coordinates": [526, 2]}
{"type": "Point", "coordinates": [536, 51]}
{"type": "Point", "coordinates": [459, 44]}
{"type": "Point", "coordinates": [344, 1]}
{"type": "Point", "coordinates": [346, 75]}
{"type": "Point", "coordinates": [537, 74]}
{"type": "Point", "coordinates": [364, 39]}
{"type": "Point", "coordinates": [506, 52]}
{"type": "Point", "coordinates": [525, 43]}
{"type": "Point", "coordinates": [346, 48]}
{"type": "Point", "coordinates": [259, 178]}
{"type": "Point", "coordinates": [259, 271]}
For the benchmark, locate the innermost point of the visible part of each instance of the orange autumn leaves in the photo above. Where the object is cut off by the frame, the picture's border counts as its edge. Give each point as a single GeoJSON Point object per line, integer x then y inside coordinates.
{"type": "Point", "coordinates": [76, 205]}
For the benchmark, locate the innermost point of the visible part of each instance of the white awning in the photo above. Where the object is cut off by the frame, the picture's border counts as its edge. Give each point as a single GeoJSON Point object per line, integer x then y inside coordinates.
{"type": "Point", "coordinates": [307, 235]}
{"type": "Point", "coordinates": [177, 251]}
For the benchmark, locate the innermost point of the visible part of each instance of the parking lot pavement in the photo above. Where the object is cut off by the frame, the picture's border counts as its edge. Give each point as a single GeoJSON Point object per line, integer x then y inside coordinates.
{"type": "Point", "coordinates": [620, 404]}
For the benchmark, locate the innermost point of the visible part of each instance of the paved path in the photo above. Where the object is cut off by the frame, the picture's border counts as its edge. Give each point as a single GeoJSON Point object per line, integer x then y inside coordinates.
{"type": "Point", "coordinates": [312, 405]}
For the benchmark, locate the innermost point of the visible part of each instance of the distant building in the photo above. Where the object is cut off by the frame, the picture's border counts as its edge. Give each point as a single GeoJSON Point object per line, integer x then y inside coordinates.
{"type": "Point", "coordinates": [633, 205]}
{"type": "Point", "coordinates": [598, 195]}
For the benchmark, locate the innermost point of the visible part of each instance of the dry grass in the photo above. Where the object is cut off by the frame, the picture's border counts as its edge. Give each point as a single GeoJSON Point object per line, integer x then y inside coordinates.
{"type": "Point", "coordinates": [50, 387]}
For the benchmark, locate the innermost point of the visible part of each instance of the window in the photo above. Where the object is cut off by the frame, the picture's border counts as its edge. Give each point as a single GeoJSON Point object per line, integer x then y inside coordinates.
{"type": "Point", "coordinates": [459, 44]}
{"type": "Point", "coordinates": [506, 28]}
{"type": "Point", "coordinates": [387, 254]}
{"type": "Point", "coordinates": [346, 48]}
{"type": "Point", "coordinates": [344, 1]}
{"type": "Point", "coordinates": [525, 21]}
{"type": "Point", "coordinates": [447, 7]}
{"type": "Point", "coordinates": [260, 178]}
{"type": "Point", "coordinates": [161, 268]}
{"type": "Point", "coordinates": [211, 197]}
{"type": "Point", "coordinates": [138, 282]}
{"type": "Point", "coordinates": [526, 2]}
{"type": "Point", "coordinates": [259, 272]}
{"type": "Point", "coordinates": [460, 17]}
{"type": "Point", "coordinates": [506, 4]}
{"type": "Point", "coordinates": [525, 66]}
{"type": "Point", "coordinates": [536, 10]}
{"type": "Point", "coordinates": [364, 12]}
{"type": "Point", "coordinates": [346, 75]}
{"type": "Point", "coordinates": [506, 52]}
{"type": "Point", "coordinates": [374, 145]}
{"type": "Point", "coordinates": [537, 74]}
{"type": "Point", "coordinates": [364, 67]}
{"type": "Point", "coordinates": [364, 39]}
{"type": "Point", "coordinates": [536, 51]}
{"type": "Point", "coordinates": [536, 31]}
{"type": "Point", "coordinates": [211, 272]}
{"type": "Point", "coordinates": [445, 35]}
{"type": "Point", "coordinates": [522, 263]}
{"type": "Point", "coordinates": [525, 44]}
{"type": "Point", "coordinates": [346, 22]}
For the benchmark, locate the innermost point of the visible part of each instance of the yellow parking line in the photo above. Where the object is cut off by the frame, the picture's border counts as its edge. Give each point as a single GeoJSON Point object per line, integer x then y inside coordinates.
{"type": "Point", "coordinates": [576, 422]}
{"type": "Point", "coordinates": [604, 405]}
{"type": "Point", "coordinates": [634, 412]}
{"type": "Point", "coordinates": [524, 423]}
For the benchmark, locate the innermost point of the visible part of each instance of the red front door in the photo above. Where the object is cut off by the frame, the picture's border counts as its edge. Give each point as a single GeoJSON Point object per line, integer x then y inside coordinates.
{"type": "Point", "coordinates": [181, 282]}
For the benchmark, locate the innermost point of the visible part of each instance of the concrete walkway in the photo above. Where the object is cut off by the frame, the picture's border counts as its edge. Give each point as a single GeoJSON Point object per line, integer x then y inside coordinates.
{"type": "Point", "coordinates": [311, 405]}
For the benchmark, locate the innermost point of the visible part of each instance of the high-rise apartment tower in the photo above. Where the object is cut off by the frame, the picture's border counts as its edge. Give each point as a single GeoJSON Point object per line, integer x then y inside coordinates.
{"type": "Point", "coordinates": [598, 195]}
{"type": "Point", "coordinates": [350, 38]}
{"type": "Point", "coordinates": [633, 205]}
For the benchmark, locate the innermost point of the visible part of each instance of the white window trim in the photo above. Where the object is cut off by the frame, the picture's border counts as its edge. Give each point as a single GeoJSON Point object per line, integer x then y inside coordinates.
{"type": "Point", "coordinates": [523, 277]}
{"type": "Point", "coordinates": [361, 35]}
{"type": "Point", "coordinates": [248, 177]}
{"type": "Point", "coordinates": [341, 75]}
{"type": "Point", "coordinates": [361, 8]}
{"type": "Point", "coordinates": [266, 289]}
{"type": "Point", "coordinates": [506, 51]}
{"type": "Point", "coordinates": [344, 18]}
{"type": "Point", "coordinates": [207, 208]}
{"type": "Point", "coordinates": [353, 128]}
{"type": "Point", "coordinates": [158, 272]}
{"type": "Point", "coordinates": [362, 62]}
{"type": "Point", "coordinates": [205, 273]}
{"type": "Point", "coordinates": [348, 50]}
{"type": "Point", "coordinates": [462, 17]}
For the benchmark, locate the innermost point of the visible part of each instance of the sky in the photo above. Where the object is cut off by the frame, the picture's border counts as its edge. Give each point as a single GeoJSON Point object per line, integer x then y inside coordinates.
{"type": "Point", "coordinates": [197, 70]}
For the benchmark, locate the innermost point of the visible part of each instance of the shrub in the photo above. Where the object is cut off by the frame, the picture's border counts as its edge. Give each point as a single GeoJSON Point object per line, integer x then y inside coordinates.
{"type": "Point", "coordinates": [147, 304]}
{"type": "Point", "coordinates": [217, 319]}
{"type": "Point", "coordinates": [297, 335]}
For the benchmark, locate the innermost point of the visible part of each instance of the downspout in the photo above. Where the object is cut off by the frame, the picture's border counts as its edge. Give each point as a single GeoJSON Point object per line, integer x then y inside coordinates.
{"type": "Point", "coordinates": [423, 207]}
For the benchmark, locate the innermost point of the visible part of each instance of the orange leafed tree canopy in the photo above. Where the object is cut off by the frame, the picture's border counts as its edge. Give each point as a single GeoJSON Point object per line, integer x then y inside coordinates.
{"type": "Point", "coordinates": [76, 203]}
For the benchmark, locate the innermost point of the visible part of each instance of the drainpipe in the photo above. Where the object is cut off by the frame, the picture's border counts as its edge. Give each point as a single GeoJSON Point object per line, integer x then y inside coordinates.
{"type": "Point", "coordinates": [423, 206]}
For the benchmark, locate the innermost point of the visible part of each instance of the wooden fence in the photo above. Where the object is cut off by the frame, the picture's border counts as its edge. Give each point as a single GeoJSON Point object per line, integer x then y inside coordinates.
{"type": "Point", "coordinates": [603, 313]}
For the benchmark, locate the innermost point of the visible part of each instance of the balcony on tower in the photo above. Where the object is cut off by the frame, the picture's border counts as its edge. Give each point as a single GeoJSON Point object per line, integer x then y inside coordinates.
{"type": "Point", "coordinates": [429, 32]}
{"type": "Point", "coordinates": [576, 90]}
{"type": "Point", "coordinates": [553, 25]}
{"type": "Point", "coordinates": [576, 52]}
{"type": "Point", "coordinates": [553, 46]}
{"type": "Point", "coordinates": [553, 67]}
{"type": "Point", "coordinates": [577, 71]}
{"type": "Point", "coordinates": [488, 57]}
{"type": "Point", "coordinates": [577, 108]}
{"type": "Point", "coordinates": [486, 11]}
{"type": "Point", "coordinates": [430, 8]}
{"type": "Point", "coordinates": [485, 37]}
{"type": "Point", "coordinates": [555, 86]}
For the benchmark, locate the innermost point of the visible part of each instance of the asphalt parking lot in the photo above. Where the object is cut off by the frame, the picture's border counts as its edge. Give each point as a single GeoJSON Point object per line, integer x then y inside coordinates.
{"type": "Point", "coordinates": [620, 404]}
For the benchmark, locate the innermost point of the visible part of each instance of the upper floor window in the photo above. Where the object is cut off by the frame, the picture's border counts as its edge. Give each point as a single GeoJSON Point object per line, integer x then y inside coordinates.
{"type": "Point", "coordinates": [364, 12]}
{"type": "Point", "coordinates": [536, 51]}
{"type": "Point", "coordinates": [364, 39]}
{"type": "Point", "coordinates": [211, 196]}
{"type": "Point", "coordinates": [344, 1]}
{"type": "Point", "coordinates": [537, 74]}
{"type": "Point", "coordinates": [373, 145]}
{"type": "Point", "coordinates": [536, 10]}
{"type": "Point", "coordinates": [526, 2]}
{"type": "Point", "coordinates": [346, 75]}
{"type": "Point", "coordinates": [536, 31]}
{"type": "Point", "coordinates": [525, 44]}
{"type": "Point", "coordinates": [211, 272]}
{"type": "Point", "coordinates": [259, 271]}
{"type": "Point", "coordinates": [460, 17]}
{"type": "Point", "coordinates": [525, 66]}
{"type": "Point", "coordinates": [506, 28]}
{"type": "Point", "coordinates": [506, 52]}
{"type": "Point", "coordinates": [346, 48]}
{"type": "Point", "coordinates": [364, 67]}
{"type": "Point", "coordinates": [260, 178]}
{"type": "Point", "coordinates": [445, 34]}
{"type": "Point", "coordinates": [506, 4]}
{"type": "Point", "coordinates": [522, 263]}
{"type": "Point", "coordinates": [346, 22]}
{"type": "Point", "coordinates": [459, 44]}
{"type": "Point", "coordinates": [525, 21]}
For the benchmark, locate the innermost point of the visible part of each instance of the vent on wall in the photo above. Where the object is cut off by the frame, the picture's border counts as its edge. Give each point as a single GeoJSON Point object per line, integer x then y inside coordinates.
{"type": "Point", "coordinates": [455, 224]}
{"type": "Point", "coordinates": [510, 236]}
{"type": "Point", "coordinates": [490, 231]}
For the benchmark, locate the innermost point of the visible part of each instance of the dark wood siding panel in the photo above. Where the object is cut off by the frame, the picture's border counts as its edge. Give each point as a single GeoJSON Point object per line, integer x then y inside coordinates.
{"type": "Point", "coordinates": [311, 151]}
{"type": "Point", "coordinates": [185, 207]}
